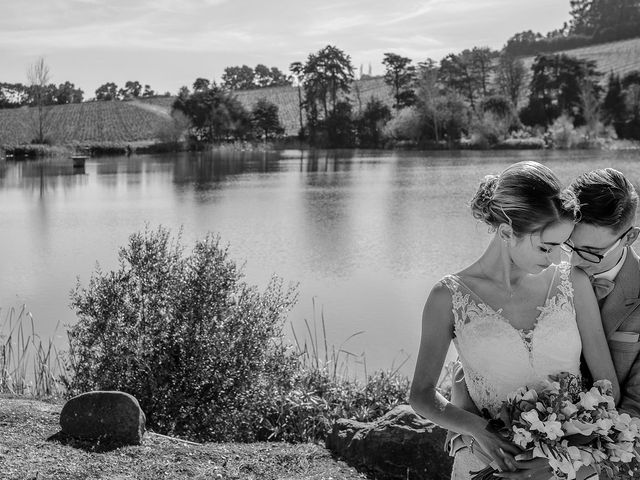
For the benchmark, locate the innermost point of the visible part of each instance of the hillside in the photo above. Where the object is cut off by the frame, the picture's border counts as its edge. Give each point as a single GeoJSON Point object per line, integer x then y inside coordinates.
{"type": "Point", "coordinates": [618, 57]}
{"type": "Point", "coordinates": [287, 100]}
{"type": "Point", "coordinates": [140, 120]}
{"type": "Point", "coordinates": [89, 122]}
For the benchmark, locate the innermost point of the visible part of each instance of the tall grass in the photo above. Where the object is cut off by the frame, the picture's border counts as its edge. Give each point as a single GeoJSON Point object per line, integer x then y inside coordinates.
{"type": "Point", "coordinates": [29, 366]}
{"type": "Point", "coordinates": [328, 387]}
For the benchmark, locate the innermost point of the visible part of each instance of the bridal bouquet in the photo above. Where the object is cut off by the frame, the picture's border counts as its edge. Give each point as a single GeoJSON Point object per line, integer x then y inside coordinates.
{"type": "Point", "coordinates": [570, 427]}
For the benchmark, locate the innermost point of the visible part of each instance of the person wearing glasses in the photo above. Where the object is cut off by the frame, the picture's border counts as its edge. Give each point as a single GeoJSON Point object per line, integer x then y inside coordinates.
{"type": "Point", "coordinates": [601, 246]}
{"type": "Point", "coordinates": [516, 315]}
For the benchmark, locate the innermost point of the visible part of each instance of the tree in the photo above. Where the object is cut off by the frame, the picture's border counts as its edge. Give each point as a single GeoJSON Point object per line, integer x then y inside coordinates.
{"type": "Point", "coordinates": [132, 88]}
{"type": "Point", "coordinates": [262, 75]}
{"type": "Point", "coordinates": [148, 92]}
{"type": "Point", "coordinates": [107, 92]}
{"type": "Point", "coordinates": [458, 73]}
{"type": "Point", "coordinates": [68, 93]}
{"type": "Point", "coordinates": [521, 43]}
{"type": "Point", "coordinates": [265, 118]}
{"type": "Point", "coordinates": [482, 67]}
{"type": "Point", "coordinates": [297, 71]}
{"type": "Point", "coordinates": [13, 95]}
{"type": "Point", "coordinates": [340, 126]}
{"type": "Point", "coordinates": [427, 93]}
{"type": "Point", "coordinates": [371, 123]}
{"type": "Point", "coordinates": [238, 78]}
{"type": "Point", "coordinates": [511, 74]}
{"type": "Point", "coordinates": [278, 78]}
{"type": "Point", "coordinates": [215, 114]}
{"type": "Point", "coordinates": [602, 17]}
{"type": "Point", "coordinates": [201, 85]}
{"type": "Point", "coordinates": [399, 75]}
{"type": "Point", "coordinates": [326, 74]}
{"type": "Point", "coordinates": [556, 88]}
{"type": "Point", "coordinates": [38, 78]}
{"type": "Point", "coordinates": [613, 106]}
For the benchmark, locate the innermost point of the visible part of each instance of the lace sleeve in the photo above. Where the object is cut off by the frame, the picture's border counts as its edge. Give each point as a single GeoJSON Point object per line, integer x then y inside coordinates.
{"type": "Point", "coordinates": [458, 301]}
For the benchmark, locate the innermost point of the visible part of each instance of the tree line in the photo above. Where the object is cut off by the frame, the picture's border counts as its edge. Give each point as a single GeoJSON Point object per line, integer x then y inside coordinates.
{"type": "Point", "coordinates": [477, 92]}
{"type": "Point", "coordinates": [592, 22]}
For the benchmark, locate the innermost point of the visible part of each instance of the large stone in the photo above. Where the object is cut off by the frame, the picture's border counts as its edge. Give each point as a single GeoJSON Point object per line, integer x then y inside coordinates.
{"type": "Point", "coordinates": [108, 416]}
{"type": "Point", "coordinates": [400, 445]}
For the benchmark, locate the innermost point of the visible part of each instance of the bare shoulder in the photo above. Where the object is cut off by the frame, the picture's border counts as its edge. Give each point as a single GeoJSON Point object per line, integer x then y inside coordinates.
{"type": "Point", "coordinates": [440, 298]}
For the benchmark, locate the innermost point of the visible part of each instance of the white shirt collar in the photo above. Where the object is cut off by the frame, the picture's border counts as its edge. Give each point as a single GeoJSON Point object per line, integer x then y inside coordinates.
{"type": "Point", "coordinates": [613, 272]}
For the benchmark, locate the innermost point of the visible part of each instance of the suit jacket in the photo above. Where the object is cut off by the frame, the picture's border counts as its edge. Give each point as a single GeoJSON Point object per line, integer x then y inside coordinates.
{"type": "Point", "coordinates": [620, 312]}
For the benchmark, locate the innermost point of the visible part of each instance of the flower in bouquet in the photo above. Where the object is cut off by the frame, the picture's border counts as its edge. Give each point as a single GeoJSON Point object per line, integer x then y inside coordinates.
{"type": "Point", "coordinates": [570, 426]}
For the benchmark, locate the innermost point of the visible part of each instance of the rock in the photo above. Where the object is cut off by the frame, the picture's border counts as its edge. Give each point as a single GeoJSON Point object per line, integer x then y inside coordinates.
{"type": "Point", "coordinates": [108, 416]}
{"type": "Point", "coordinates": [400, 445]}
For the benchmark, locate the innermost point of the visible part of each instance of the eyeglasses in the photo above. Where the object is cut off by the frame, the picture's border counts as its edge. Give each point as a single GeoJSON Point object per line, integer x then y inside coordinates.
{"type": "Point", "coordinates": [597, 257]}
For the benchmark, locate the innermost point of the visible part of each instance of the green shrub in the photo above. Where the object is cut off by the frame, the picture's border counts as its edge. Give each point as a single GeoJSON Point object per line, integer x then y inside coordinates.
{"type": "Point", "coordinates": [200, 349]}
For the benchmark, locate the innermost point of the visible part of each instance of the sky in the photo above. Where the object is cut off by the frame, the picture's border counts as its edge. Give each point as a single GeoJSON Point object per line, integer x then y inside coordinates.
{"type": "Point", "coordinates": [169, 43]}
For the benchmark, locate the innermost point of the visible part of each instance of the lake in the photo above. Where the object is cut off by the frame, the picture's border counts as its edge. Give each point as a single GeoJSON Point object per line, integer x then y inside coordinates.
{"type": "Point", "coordinates": [366, 234]}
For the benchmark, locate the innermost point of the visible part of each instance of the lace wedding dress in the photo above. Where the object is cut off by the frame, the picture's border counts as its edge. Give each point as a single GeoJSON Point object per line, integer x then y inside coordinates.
{"type": "Point", "coordinates": [498, 358]}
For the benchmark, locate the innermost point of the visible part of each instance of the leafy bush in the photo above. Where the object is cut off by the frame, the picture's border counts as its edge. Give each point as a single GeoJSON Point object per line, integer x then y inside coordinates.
{"type": "Point", "coordinates": [200, 349]}
{"type": "Point", "coordinates": [563, 134]}
{"type": "Point", "coordinates": [308, 411]}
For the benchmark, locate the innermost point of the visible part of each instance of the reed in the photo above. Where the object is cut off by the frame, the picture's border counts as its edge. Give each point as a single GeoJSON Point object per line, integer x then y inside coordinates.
{"type": "Point", "coordinates": [29, 366]}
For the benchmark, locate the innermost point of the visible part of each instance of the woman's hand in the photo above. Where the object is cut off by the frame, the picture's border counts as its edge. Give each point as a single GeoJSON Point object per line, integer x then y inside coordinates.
{"type": "Point", "coordinates": [497, 448]}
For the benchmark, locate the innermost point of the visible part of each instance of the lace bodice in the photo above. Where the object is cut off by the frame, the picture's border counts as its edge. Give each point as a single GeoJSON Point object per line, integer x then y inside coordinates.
{"type": "Point", "coordinates": [499, 358]}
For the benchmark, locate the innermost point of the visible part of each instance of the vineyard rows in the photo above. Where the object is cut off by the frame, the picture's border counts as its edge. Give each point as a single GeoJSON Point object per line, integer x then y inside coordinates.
{"type": "Point", "coordinates": [141, 119]}
{"type": "Point", "coordinates": [91, 122]}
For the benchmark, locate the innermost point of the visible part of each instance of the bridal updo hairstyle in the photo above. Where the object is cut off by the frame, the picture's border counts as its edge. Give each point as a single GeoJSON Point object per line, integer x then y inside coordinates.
{"type": "Point", "coordinates": [527, 196]}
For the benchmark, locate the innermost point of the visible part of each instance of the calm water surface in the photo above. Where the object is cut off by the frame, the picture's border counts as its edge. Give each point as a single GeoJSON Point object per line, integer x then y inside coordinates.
{"type": "Point", "coordinates": [366, 234]}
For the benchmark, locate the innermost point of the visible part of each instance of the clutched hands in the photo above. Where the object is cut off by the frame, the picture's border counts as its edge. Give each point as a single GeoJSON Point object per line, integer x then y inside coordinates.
{"type": "Point", "coordinates": [500, 451]}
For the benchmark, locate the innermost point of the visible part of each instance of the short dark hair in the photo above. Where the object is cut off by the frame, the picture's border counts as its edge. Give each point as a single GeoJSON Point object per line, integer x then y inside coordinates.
{"type": "Point", "coordinates": [607, 199]}
{"type": "Point", "coordinates": [527, 195]}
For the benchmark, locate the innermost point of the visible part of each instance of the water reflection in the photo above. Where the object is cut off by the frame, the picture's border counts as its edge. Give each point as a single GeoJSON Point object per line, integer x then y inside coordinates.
{"type": "Point", "coordinates": [367, 232]}
{"type": "Point", "coordinates": [41, 176]}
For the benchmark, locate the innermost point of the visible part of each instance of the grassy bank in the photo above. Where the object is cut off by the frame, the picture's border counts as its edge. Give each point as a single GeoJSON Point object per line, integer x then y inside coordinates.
{"type": "Point", "coordinates": [25, 453]}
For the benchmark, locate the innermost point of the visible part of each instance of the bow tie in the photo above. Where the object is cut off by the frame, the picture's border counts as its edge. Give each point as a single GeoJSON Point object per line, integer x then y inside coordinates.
{"type": "Point", "coordinates": [602, 287]}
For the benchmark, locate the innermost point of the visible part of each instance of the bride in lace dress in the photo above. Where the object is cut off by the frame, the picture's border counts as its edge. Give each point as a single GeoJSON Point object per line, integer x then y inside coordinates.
{"type": "Point", "coordinates": [516, 315]}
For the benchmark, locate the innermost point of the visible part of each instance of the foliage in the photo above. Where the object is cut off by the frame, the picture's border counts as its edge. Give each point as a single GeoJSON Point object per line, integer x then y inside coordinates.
{"type": "Point", "coordinates": [399, 75]}
{"type": "Point", "coordinates": [198, 347]}
{"type": "Point", "coordinates": [238, 78]}
{"type": "Point", "coordinates": [563, 134]}
{"type": "Point", "coordinates": [556, 87]}
{"type": "Point", "coordinates": [613, 106]}
{"type": "Point", "coordinates": [215, 114]}
{"type": "Point", "coordinates": [406, 125]}
{"type": "Point", "coordinates": [246, 78]}
{"type": "Point", "coordinates": [171, 133]}
{"type": "Point", "coordinates": [600, 17]}
{"type": "Point", "coordinates": [107, 91]}
{"type": "Point", "coordinates": [468, 72]}
{"type": "Point", "coordinates": [592, 22]}
{"type": "Point", "coordinates": [325, 75]}
{"type": "Point", "coordinates": [38, 78]}
{"type": "Point", "coordinates": [131, 89]}
{"type": "Point", "coordinates": [489, 128]}
{"type": "Point", "coordinates": [370, 124]}
{"type": "Point", "coordinates": [340, 126]}
{"type": "Point", "coordinates": [265, 119]}
{"type": "Point", "coordinates": [511, 77]}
